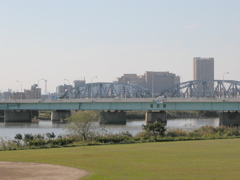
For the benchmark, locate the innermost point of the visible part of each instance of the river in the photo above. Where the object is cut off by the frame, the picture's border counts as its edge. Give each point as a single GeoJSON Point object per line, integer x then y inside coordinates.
{"type": "Point", "coordinates": [9, 130]}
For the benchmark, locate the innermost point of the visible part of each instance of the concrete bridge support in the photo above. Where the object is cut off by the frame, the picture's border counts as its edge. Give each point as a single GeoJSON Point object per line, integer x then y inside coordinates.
{"type": "Point", "coordinates": [35, 114]}
{"type": "Point", "coordinates": [115, 117]}
{"type": "Point", "coordinates": [60, 115]}
{"type": "Point", "coordinates": [18, 116]}
{"type": "Point", "coordinates": [229, 119]}
{"type": "Point", "coordinates": [152, 117]}
{"type": "Point", "coordinates": [1, 116]}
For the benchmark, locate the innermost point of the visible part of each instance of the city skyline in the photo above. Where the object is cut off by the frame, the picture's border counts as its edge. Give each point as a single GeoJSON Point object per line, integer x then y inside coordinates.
{"type": "Point", "coordinates": [57, 40]}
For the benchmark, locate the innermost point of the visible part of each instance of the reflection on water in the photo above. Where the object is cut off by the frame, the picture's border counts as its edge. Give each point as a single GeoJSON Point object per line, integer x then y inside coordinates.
{"type": "Point", "coordinates": [133, 126]}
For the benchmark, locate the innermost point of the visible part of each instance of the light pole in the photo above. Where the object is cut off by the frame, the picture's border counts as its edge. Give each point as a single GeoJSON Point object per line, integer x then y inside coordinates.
{"type": "Point", "coordinates": [21, 88]}
{"type": "Point", "coordinates": [39, 88]}
{"type": "Point", "coordinates": [224, 74]}
{"type": "Point", "coordinates": [67, 80]}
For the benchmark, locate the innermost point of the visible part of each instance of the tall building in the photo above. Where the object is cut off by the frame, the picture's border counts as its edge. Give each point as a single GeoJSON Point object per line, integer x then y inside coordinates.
{"type": "Point", "coordinates": [203, 68]}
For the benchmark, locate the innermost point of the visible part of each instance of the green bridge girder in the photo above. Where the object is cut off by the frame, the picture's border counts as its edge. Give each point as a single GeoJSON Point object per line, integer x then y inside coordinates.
{"type": "Point", "coordinates": [230, 104]}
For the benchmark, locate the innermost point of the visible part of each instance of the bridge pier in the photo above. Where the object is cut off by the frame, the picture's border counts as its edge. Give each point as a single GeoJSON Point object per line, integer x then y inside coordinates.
{"type": "Point", "coordinates": [35, 114]}
{"type": "Point", "coordinates": [60, 115]}
{"type": "Point", "coordinates": [152, 117]}
{"type": "Point", "coordinates": [1, 116]}
{"type": "Point", "coordinates": [229, 118]}
{"type": "Point", "coordinates": [17, 116]}
{"type": "Point", "coordinates": [109, 117]}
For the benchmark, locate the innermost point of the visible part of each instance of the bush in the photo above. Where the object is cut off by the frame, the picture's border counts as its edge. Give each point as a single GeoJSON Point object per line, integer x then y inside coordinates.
{"type": "Point", "coordinates": [50, 135]}
{"type": "Point", "coordinates": [62, 142]}
{"type": "Point", "coordinates": [142, 135]}
{"type": "Point", "coordinates": [176, 133]}
{"type": "Point", "coordinates": [115, 138]}
{"type": "Point", "coordinates": [38, 142]}
{"type": "Point", "coordinates": [156, 129]}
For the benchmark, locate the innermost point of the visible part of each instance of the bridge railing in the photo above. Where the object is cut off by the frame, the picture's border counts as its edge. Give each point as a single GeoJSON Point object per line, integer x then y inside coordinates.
{"type": "Point", "coordinates": [202, 99]}
{"type": "Point", "coordinates": [76, 100]}
{"type": "Point", "coordinates": [94, 100]}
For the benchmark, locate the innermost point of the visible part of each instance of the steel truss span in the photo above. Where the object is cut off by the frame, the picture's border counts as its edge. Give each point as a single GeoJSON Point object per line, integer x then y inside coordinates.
{"type": "Point", "coordinates": [111, 90]}
{"type": "Point", "coordinates": [203, 88]}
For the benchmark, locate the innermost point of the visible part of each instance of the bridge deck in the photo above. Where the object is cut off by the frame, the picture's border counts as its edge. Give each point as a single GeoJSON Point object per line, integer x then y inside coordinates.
{"type": "Point", "coordinates": [211, 104]}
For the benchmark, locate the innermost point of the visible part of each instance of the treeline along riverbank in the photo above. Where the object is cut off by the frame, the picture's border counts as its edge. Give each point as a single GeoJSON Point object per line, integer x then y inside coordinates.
{"type": "Point", "coordinates": [175, 114]}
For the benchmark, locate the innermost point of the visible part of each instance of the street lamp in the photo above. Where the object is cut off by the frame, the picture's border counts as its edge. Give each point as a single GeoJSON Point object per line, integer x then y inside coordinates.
{"type": "Point", "coordinates": [67, 80]}
{"type": "Point", "coordinates": [21, 88]}
{"type": "Point", "coordinates": [224, 74]}
{"type": "Point", "coordinates": [38, 87]}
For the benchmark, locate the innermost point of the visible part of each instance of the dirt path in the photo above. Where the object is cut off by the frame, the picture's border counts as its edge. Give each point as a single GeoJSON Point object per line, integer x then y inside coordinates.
{"type": "Point", "coordinates": [37, 171]}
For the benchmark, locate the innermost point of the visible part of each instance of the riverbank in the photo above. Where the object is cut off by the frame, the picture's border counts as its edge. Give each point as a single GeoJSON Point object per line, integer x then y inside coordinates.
{"type": "Point", "coordinates": [211, 159]}
{"type": "Point", "coordinates": [175, 114]}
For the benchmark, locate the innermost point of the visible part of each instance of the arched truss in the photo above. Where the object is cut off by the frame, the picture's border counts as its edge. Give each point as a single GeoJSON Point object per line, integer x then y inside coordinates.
{"type": "Point", "coordinates": [111, 90]}
{"type": "Point", "coordinates": [203, 88]}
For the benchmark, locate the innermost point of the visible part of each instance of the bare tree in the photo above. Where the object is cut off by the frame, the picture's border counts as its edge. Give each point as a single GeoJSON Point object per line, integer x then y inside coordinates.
{"type": "Point", "coordinates": [81, 124]}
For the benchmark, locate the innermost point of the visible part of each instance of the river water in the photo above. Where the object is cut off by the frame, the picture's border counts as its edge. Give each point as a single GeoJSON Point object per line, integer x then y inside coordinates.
{"type": "Point", "coordinates": [9, 130]}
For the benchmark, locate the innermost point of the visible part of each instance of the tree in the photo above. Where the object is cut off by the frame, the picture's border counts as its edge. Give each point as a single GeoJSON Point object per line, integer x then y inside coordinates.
{"type": "Point", "coordinates": [18, 138]}
{"type": "Point", "coordinates": [27, 138]}
{"type": "Point", "coordinates": [81, 124]}
{"type": "Point", "coordinates": [156, 128]}
{"type": "Point", "coordinates": [51, 135]}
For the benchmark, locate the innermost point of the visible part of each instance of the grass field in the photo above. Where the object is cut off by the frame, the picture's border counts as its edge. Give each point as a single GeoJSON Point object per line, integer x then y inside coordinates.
{"type": "Point", "coordinates": [208, 159]}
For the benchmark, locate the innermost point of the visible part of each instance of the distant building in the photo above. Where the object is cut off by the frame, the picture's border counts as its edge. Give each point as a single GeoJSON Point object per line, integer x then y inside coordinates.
{"type": "Point", "coordinates": [155, 81]}
{"type": "Point", "coordinates": [33, 93]}
{"type": "Point", "coordinates": [7, 94]}
{"type": "Point", "coordinates": [132, 79]}
{"type": "Point", "coordinates": [62, 88]}
{"type": "Point", "coordinates": [17, 95]}
{"type": "Point", "coordinates": [78, 83]}
{"type": "Point", "coordinates": [203, 68]}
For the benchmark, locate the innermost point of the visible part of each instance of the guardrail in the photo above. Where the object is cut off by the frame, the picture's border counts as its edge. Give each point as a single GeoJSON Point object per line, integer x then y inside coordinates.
{"type": "Point", "coordinates": [204, 99]}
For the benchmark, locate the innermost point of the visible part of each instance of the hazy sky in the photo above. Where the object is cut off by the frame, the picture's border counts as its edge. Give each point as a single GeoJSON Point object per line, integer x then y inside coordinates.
{"type": "Point", "coordinates": [73, 39]}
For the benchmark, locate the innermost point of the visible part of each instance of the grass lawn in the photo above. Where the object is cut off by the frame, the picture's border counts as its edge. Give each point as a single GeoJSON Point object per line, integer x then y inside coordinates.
{"type": "Point", "coordinates": [208, 159]}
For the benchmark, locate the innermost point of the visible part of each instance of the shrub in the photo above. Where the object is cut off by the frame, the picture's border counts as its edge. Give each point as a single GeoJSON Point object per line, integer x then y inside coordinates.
{"type": "Point", "coordinates": [156, 129]}
{"type": "Point", "coordinates": [27, 138]}
{"type": "Point", "coordinates": [38, 137]}
{"type": "Point", "coordinates": [50, 135]}
{"type": "Point", "coordinates": [142, 136]}
{"type": "Point", "coordinates": [176, 133]}
{"type": "Point", "coordinates": [115, 138]}
{"type": "Point", "coordinates": [38, 142]}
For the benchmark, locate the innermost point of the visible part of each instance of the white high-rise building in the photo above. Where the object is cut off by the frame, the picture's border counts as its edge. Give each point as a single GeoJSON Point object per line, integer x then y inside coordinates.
{"type": "Point", "coordinates": [203, 68]}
